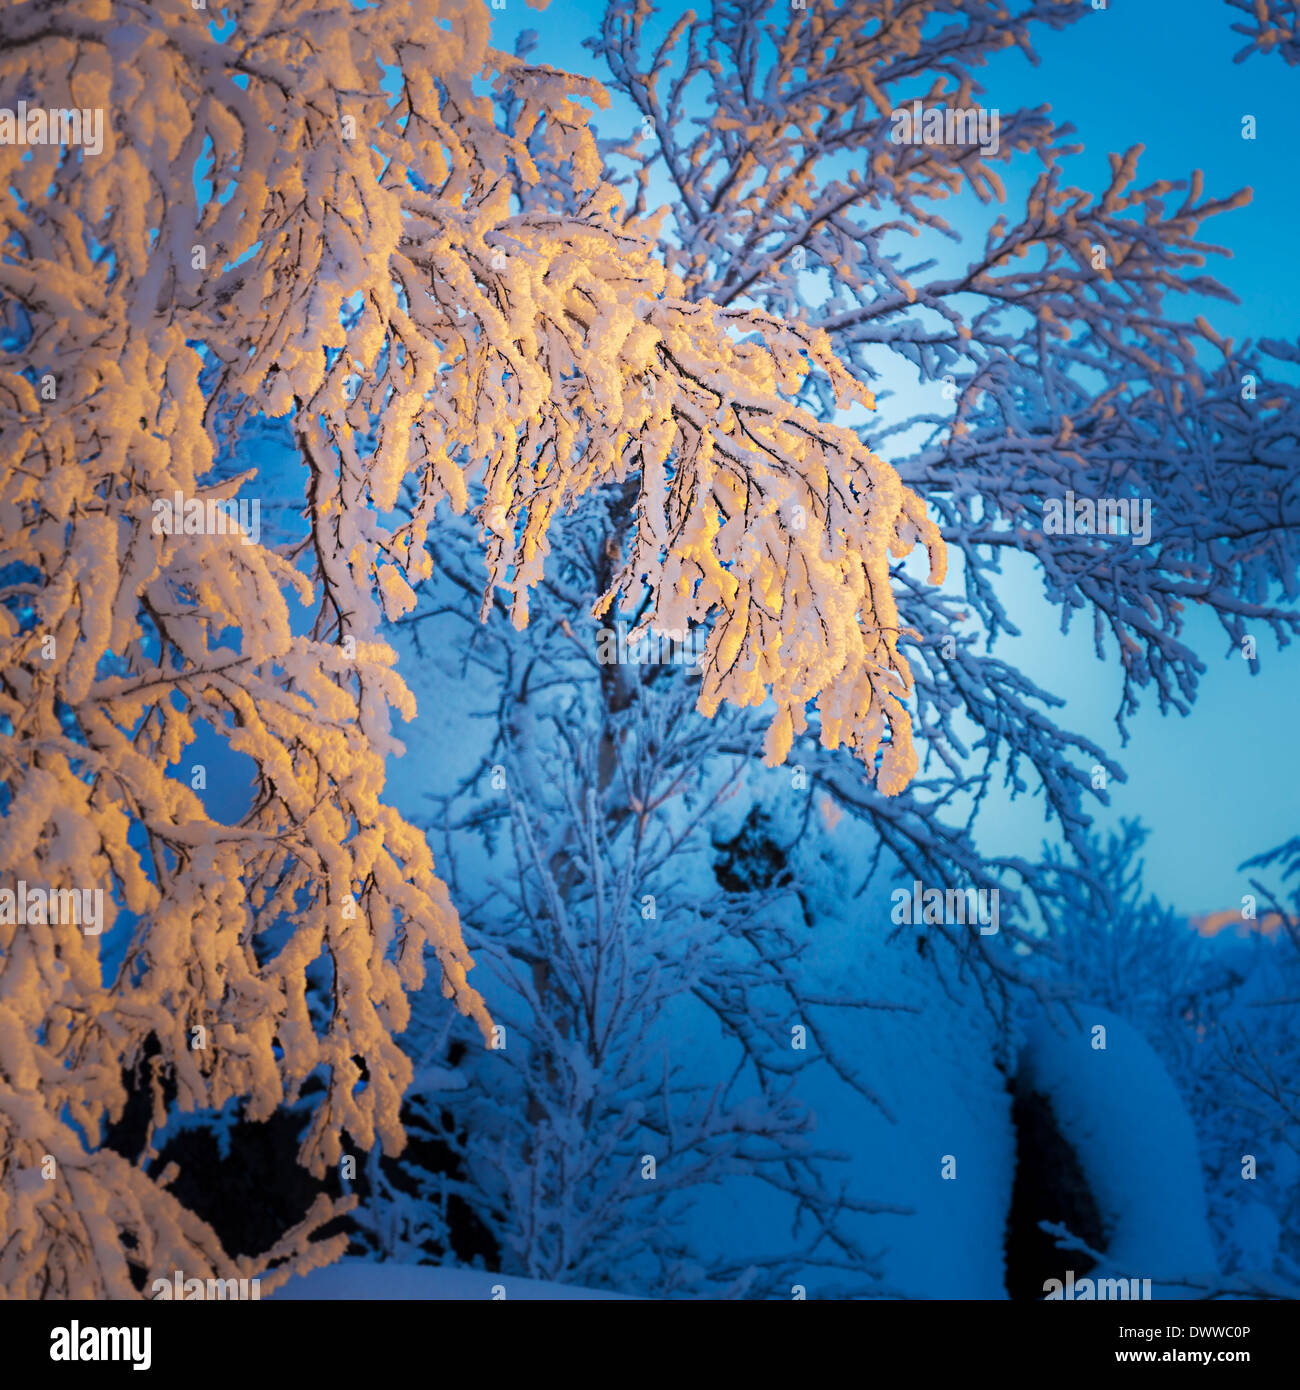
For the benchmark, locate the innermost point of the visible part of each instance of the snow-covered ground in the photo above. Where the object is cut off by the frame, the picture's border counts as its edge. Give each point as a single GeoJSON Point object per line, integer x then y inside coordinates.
{"type": "Point", "coordinates": [360, 1279]}
{"type": "Point", "coordinates": [1120, 1112]}
{"type": "Point", "coordinates": [930, 1062]}
{"type": "Point", "coordinates": [931, 1059]}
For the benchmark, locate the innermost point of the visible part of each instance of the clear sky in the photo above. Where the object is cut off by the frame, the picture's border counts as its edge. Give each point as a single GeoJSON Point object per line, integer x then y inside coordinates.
{"type": "Point", "coordinates": [1224, 782]}
{"type": "Point", "coordinates": [1221, 784]}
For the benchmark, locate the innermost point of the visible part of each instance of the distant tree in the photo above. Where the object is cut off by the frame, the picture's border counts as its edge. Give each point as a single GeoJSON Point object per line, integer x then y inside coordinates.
{"type": "Point", "coordinates": [1223, 1013]}
{"type": "Point", "coordinates": [642, 964]}
{"type": "Point", "coordinates": [1258, 1050]}
{"type": "Point", "coordinates": [1125, 950]}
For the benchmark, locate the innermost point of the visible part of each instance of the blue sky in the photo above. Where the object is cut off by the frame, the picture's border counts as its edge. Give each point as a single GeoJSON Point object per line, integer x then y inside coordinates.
{"type": "Point", "coordinates": [1220, 784]}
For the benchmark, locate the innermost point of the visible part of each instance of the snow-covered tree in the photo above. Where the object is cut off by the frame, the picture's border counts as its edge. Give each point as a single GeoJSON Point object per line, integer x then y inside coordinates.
{"type": "Point", "coordinates": [1257, 1056]}
{"type": "Point", "coordinates": [1221, 1011]}
{"type": "Point", "coordinates": [412, 249]}
{"type": "Point", "coordinates": [1272, 26]}
{"type": "Point", "coordinates": [641, 963]}
{"type": "Point", "coordinates": [1065, 372]}
{"type": "Point", "coordinates": [266, 231]}
{"type": "Point", "coordinates": [1050, 341]}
